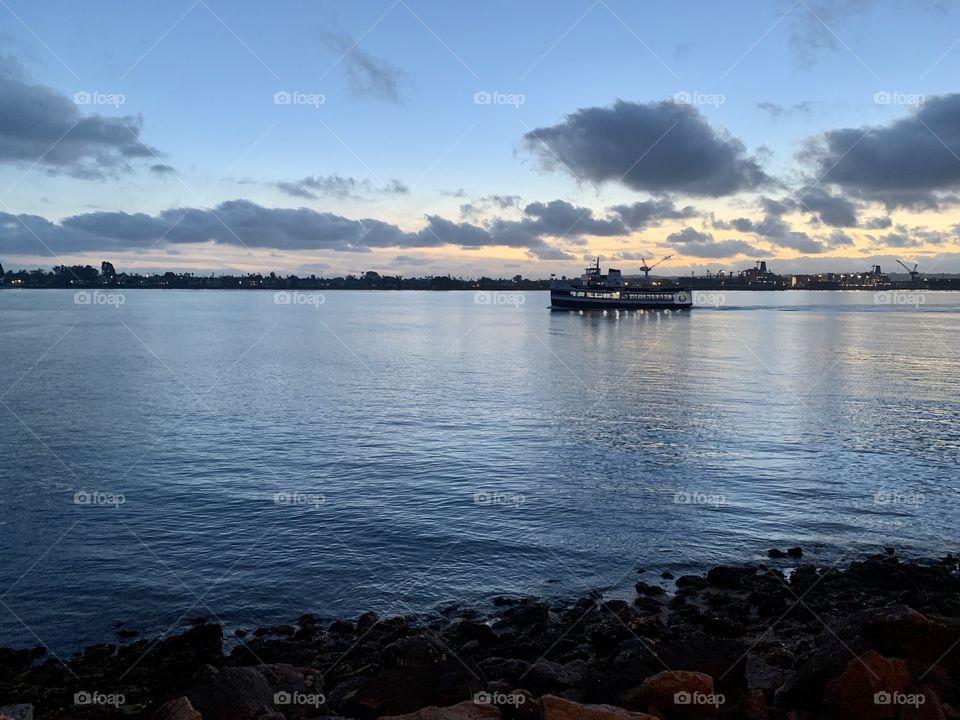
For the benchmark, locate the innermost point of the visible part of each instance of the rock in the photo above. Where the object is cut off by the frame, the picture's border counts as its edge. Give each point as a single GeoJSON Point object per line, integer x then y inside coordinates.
{"type": "Point", "coordinates": [461, 711]}
{"type": "Point", "coordinates": [761, 675]}
{"type": "Point", "coordinates": [667, 575]}
{"type": "Point", "coordinates": [341, 627]}
{"type": "Point", "coordinates": [467, 630]}
{"type": "Point", "coordinates": [416, 672]}
{"type": "Point", "coordinates": [245, 693]}
{"type": "Point", "coordinates": [643, 588]}
{"type": "Point", "coordinates": [858, 691]}
{"type": "Point", "coordinates": [274, 630]}
{"type": "Point", "coordinates": [677, 695]}
{"type": "Point", "coordinates": [776, 554]}
{"type": "Point", "coordinates": [366, 622]}
{"type": "Point", "coordinates": [901, 631]}
{"type": "Point", "coordinates": [729, 577]}
{"type": "Point", "coordinates": [545, 676]}
{"type": "Point", "coordinates": [177, 709]}
{"type": "Point", "coordinates": [755, 706]}
{"type": "Point", "coordinates": [16, 712]}
{"type": "Point", "coordinates": [98, 653]}
{"type": "Point", "coordinates": [795, 552]}
{"type": "Point", "coordinates": [889, 550]}
{"type": "Point", "coordinates": [692, 582]}
{"type": "Point", "coordinates": [555, 708]}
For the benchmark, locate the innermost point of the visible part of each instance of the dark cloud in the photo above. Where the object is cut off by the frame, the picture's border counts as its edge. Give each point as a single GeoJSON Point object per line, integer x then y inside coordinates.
{"type": "Point", "coordinates": [559, 218]}
{"type": "Point", "coordinates": [658, 147]}
{"type": "Point", "coordinates": [313, 187]}
{"type": "Point", "coordinates": [878, 223]}
{"type": "Point", "coordinates": [41, 125]}
{"type": "Point", "coordinates": [773, 228]}
{"type": "Point", "coordinates": [650, 213]}
{"type": "Point", "coordinates": [694, 243]}
{"type": "Point", "coordinates": [778, 111]}
{"type": "Point", "coordinates": [909, 163]}
{"type": "Point", "coordinates": [161, 169]}
{"type": "Point", "coordinates": [831, 210]}
{"type": "Point", "coordinates": [246, 224]}
{"type": "Point", "coordinates": [368, 76]}
{"type": "Point", "coordinates": [487, 202]}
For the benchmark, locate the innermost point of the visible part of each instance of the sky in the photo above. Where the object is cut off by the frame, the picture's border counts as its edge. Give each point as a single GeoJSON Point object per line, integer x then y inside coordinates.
{"type": "Point", "coordinates": [425, 137]}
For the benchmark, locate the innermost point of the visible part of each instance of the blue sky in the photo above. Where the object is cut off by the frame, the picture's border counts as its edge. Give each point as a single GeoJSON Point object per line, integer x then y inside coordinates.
{"type": "Point", "coordinates": [197, 81]}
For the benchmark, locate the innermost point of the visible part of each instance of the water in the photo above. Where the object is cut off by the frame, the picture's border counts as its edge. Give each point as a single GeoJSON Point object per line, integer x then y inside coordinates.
{"type": "Point", "coordinates": [399, 451]}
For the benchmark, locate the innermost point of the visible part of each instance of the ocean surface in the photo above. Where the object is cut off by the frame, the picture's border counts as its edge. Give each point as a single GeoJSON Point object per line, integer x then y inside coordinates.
{"type": "Point", "coordinates": [172, 454]}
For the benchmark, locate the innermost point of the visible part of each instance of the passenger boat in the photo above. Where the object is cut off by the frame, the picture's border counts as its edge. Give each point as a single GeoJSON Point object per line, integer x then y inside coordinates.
{"type": "Point", "coordinates": [595, 291]}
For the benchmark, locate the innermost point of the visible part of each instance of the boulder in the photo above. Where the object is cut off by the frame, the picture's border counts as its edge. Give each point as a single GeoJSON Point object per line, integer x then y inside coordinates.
{"type": "Point", "coordinates": [677, 695]}
{"type": "Point", "coordinates": [729, 577]}
{"type": "Point", "coordinates": [545, 676]}
{"type": "Point", "coordinates": [859, 691]}
{"type": "Point", "coordinates": [461, 711]}
{"type": "Point", "coordinates": [16, 712]}
{"type": "Point", "coordinates": [555, 708]}
{"type": "Point", "coordinates": [177, 709]}
{"type": "Point", "coordinates": [761, 675]}
{"type": "Point", "coordinates": [245, 693]}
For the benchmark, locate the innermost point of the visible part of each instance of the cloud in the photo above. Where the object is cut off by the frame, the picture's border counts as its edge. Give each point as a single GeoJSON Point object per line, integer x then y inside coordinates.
{"type": "Point", "coordinates": [658, 147]}
{"type": "Point", "coordinates": [694, 243]}
{"type": "Point", "coordinates": [367, 75]}
{"type": "Point", "coordinates": [830, 209]}
{"type": "Point", "coordinates": [161, 169]}
{"type": "Point", "coordinates": [487, 202]}
{"type": "Point", "coordinates": [773, 227]}
{"type": "Point", "coordinates": [247, 224]}
{"type": "Point", "coordinates": [41, 125]}
{"type": "Point", "coordinates": [337, 186]}
{"type": "Point", "coordinates": [778, 111]}
{"type": "Point", "coordinates": [910, 163]}
{"type": "Point", "coordinates": [650, 213]}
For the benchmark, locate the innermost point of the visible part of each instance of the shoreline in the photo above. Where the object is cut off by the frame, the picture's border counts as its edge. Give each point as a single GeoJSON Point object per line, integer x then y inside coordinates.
{"type": "Point", "coordinates": [741, 641]}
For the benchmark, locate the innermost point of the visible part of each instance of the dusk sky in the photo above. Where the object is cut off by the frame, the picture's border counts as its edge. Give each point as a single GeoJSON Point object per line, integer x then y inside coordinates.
{"type": "Point", "coordinates": [424, 137]}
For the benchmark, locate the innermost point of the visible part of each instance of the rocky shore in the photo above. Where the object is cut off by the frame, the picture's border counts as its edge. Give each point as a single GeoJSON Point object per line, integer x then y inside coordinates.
{"type": "Point", "coordinates": [879, 638]}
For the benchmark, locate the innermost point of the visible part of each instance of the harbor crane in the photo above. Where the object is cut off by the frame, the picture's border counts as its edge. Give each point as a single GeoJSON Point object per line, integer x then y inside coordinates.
{"type": "Point", "coordinates": [647, 268]}
{"type": "Point", "coordinates": [913, 272]}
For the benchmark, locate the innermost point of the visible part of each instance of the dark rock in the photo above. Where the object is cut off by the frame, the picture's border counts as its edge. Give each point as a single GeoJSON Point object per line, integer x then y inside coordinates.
{"type": "Point", "coordinates": [671, 694]}
{"type": "Point", "coordinates": [795, 552]}
{"type": "Point", "coordinates": [366, 622]}
{"type": "Point", "coordinates": [242, 693]}
{"type": "Point", "coordinates": [694, 582]}
{"type": "Point", "coordinates": [643, 588]}
{"type": "Point", "coordinates": [341, 627]}
{"type": "Point", "coordinates": [730, 577]}
{"type": "Point", "coordinates": [761, 675]}
{"type": "Point", "coordinates": [274, 630]}
{"type": "Point", "coordinates": [776, 554]}
{"type": "Point", "coordinates": [667, 575]}
{"type": "Point", "coordinates": [98, 653]}
{"type": "Point", "coordinates": [544, 676]}
{"type": "Point", "coordinates": [177, 709]}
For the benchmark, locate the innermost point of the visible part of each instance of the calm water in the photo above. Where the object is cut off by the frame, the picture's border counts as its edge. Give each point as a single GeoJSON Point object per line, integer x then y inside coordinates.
{"type": "Point", "coordinates": [275, 458]}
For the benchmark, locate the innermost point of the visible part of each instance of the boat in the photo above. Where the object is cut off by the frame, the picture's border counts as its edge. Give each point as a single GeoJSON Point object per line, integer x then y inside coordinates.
{"type": "Point", "coordinates": [596, 291]}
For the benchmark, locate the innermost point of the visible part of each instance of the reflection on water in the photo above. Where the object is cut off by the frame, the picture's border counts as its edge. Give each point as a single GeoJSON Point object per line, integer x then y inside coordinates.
{"type": "Point", "coordinates": [399, 450]}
